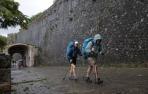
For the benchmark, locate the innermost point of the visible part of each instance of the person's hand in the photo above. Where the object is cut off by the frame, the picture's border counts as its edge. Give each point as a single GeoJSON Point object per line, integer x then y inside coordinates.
{"type": "Point", "coordinates": [102, 53]}
{"type": "Point", "coordinates": [93, 49]}
{"type": "Point", "coordinates": [92, 53]}
{"type": "Point", "coordinates": [70, 60]}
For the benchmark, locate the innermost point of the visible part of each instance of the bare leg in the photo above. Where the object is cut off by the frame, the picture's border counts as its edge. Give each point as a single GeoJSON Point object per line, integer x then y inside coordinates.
{"type": "Point", "coordinates": [70, 70]}
{"type": "Point", "coordinates": [74, 71]}
{"type": "Point", "coordinates": [96, 72]}
{"type": "Point", "coordinates": [95, 69]}
{"type": "Point", "coordinates": [97, 79]}
{"type": "Point", "coordinates": [89, 70]}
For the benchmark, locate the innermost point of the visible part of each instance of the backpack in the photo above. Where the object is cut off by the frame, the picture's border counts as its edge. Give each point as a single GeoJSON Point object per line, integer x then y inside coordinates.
{"type": "Point", "coordinates": [69, 50]}
{"type": "Point", "coordinates": [85, 43]}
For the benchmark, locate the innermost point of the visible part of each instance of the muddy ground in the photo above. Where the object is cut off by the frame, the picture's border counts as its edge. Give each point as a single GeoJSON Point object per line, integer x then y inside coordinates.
{"type": "Point", "coordinates": [48, 80]}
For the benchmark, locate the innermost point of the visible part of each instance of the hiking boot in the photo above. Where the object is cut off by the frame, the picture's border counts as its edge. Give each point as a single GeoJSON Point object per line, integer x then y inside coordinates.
{"type": "Point", "coordinates": [70, 78]}
{"type": "Point", "coordinates": [87, 79]}
{"type": "Point", "coordinates": [76, 79]}
{"type": "Point", "coordinates": [73, 78]}
{"type": "Point", "coordinates": [99, 81]}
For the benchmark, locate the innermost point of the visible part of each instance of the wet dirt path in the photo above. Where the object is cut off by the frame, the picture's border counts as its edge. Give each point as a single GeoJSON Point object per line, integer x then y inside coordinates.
{"type": "Point", "coordinates": [49, 80]}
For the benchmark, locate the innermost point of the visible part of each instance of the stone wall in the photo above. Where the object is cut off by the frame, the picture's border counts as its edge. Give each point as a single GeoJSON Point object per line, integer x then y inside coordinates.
{"type": "Point", "coordinates": [122, 23]}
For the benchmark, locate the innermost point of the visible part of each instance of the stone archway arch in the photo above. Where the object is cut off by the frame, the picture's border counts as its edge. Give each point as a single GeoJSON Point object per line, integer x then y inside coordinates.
{"type": "Point", "coordinates": [27, 51]}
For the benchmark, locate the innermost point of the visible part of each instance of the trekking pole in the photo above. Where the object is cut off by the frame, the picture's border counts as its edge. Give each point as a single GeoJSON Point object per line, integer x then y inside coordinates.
{"type": "Point", "coordinates": [65, 74]}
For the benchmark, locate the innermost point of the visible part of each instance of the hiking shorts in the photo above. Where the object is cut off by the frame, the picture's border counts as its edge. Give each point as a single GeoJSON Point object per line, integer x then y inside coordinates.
{"type": "Point", "coordinates": [72, 61]}
{"type": "Point", "coordinates": [91, 61]}
{"type": "Point", "coordinates": [91, 55]}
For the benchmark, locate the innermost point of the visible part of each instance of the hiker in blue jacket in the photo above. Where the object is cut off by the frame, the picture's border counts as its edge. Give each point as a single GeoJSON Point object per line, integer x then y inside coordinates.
{"type": "Point", "coordinates": [93, 49]}
{"type": "Point", "coordinates": [72, 52]}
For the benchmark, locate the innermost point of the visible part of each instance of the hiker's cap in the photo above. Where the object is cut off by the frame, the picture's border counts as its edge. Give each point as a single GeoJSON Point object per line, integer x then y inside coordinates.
{"type": "Point", "coordinates": [76, 42]}
{"type": "Point", "coordinates": [97, 36]}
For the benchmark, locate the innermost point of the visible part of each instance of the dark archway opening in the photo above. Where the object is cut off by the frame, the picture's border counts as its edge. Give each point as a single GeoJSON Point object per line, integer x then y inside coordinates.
{"type": "Point", "coordinates": [18, 55]}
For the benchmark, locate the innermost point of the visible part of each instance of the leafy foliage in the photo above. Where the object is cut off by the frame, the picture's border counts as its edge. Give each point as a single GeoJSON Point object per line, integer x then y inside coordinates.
{"type": "Point", "coordinates": [36, 17]}
{"type": "Point", "coordinates": [10, 15]}
{"type": "Point", "coordinates": [3, 42]}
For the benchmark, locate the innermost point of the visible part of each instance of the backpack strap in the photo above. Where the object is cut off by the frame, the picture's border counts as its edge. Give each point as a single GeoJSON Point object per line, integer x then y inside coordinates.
{"type": "Point", "coordinates": [93, 43]}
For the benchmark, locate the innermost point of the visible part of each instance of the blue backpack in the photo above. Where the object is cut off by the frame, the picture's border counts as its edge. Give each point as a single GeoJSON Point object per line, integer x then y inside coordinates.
{"type": "Point", "coordinates": [69, 50]}
{"type": "Point", "coordinates": [86, 41]}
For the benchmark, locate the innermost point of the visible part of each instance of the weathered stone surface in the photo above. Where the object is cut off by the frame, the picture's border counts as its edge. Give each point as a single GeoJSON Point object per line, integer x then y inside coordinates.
{"type": "Point", "coordinates": [122, 23]}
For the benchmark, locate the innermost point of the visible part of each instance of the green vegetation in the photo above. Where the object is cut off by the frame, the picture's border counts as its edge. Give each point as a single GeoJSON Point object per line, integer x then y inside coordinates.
{"type": "Point", "coordinates": [5, 64]}
{"type": "Point", "coordinates": [35, 17]}
{"type": "Point", "coordinates": [3, 42]}
{"type": "Point", "coordinates": [10, 15]}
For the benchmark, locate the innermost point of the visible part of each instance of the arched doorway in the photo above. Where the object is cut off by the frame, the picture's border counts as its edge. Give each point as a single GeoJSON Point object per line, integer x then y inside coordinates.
{"type": "Point", "coordinates": [17, 61]}
{"type": "Point", "coordinates": [27, 53]}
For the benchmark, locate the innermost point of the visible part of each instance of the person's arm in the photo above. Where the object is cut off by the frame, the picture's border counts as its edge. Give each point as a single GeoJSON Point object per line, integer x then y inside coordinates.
{"type": "Point", "coordinates": [100, 50]}
{"type": "Point", "coordinates": [79, 52]}
{"type": "Point", "coordinates": [88, 48]}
